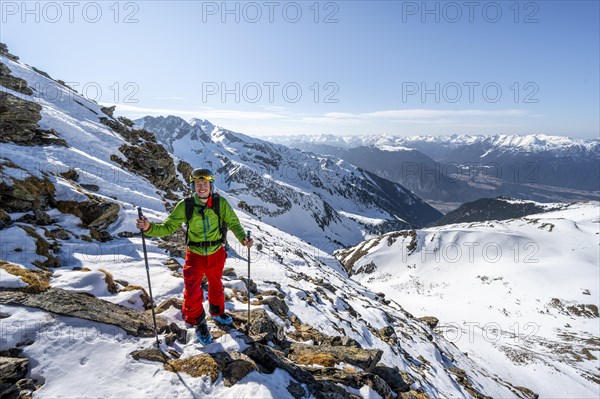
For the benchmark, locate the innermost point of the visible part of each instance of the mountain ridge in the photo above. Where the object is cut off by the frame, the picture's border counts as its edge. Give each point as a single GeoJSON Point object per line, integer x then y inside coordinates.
{"type": "Point", "coordinates": [68, 232]}
{"type": "Point", "coordinates": [276, 182]}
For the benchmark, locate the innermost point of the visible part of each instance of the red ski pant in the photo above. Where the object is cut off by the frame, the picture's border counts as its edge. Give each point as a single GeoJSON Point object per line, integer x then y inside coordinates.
{"type": "Point", "coordinates": [194, 268]}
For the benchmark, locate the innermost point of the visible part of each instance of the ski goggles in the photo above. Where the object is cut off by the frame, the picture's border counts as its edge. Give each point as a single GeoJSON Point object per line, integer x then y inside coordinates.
{"type": "Point", "coordinates": [202, 174]}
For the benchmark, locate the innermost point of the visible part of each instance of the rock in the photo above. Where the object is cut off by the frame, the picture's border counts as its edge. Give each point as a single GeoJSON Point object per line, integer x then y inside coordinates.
{"type": "Point", "coordinates": [70, 174]}
{"type": "Point", "coordinates": [354, 380]}
{"type": "Point", "coordinates": [229, 272]}
{"type": "Point", "coordinates": [97, 215]}
{"type": "Point", "coordinates": [4, 51]}
{"type": "Point", "coordinates": [170, 338]}
{"type": "Point", "coordinates": [342, 341]}
{"type": "Point", "coordinates": [234, 366]}
{"type": "Point", "coordinates": [387, 332]}
{"type": "Point", "coordinates": [180, 333]}
{"type": "Point", "coordinates": [19, 120]}
{"type": "Point", "coordinates": [25, 195]}
{"type": "Point", "coordinates": [27, 384]}
{"type": "Point", "coordinates": [153, 354]}
{"type": "Point", "coordinates": [84, 306]}
{"type": "Point", "coordinates": [57, 234]}
{"type": "Point", "coordinates": [150, 160]}
{"type": "Point", "coordinates": [108, 110]}
{"type": "Point", "coordinates": [366, 359]}
{"type": "Point", "coordinates": [9, 391]}
{"type": "Point", "coordinates": [296, 390]}
{"type": "Point", "coordinates": [42, 248]}
{"type": "Point", "coordinates": [268, 361]}
{"type": "Point", "coordinates": [253, 288]}
{"type": "Point", "coordinates": [5, 219]}
{"type": "Point", "coordinates": [431, 321]}
{"type": "Point", "coordinates": [305, 332]}
{"type": "Point", "coordinates": [412, 394]}
{"type": "Point", "coordinates": [91, 187]}
{"type": "Point", "coordinates": [126, 121]}
{"type": "Point", "coordinates": [100, 235]}
{"type": "Point", "coordinates": [263, 329]}
{"type": "Point", "coordinates": [277, 305]}
{"type": "Point", "coordinates": [12, 369]}
{"type": "Point", "coordinates": [12, 82]}
{"type": "Point", "coordinates": [392, 377]}
{"type": "Point", "coordinates": [175, 302]}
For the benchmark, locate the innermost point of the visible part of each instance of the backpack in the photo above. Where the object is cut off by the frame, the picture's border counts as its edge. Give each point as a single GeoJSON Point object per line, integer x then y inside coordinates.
{"type": "Point", "coordinates": [189, 212]}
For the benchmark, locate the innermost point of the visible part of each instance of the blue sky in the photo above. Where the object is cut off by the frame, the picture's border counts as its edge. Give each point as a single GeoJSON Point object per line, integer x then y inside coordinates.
{"type": "Point", "coordinates": [341, 67]}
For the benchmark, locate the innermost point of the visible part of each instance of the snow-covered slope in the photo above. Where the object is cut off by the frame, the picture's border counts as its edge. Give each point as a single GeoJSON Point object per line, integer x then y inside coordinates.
{"type": "Point", "coordinates": [323, 200]}
{"type": "Point", "coordinates": [67, 228]}
{"type": "Point", "coordinates": [523, 291]}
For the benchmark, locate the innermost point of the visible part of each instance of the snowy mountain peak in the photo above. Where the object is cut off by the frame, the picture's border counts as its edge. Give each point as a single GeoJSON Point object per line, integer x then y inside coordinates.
{"type": "Point", "coordinates": [323, 200]}
{"type": "Point", "coordinates": [73, 275]}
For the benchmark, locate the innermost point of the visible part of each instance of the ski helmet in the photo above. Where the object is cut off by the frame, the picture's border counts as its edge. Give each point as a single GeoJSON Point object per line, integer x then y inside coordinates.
{"type": "Point", "coordinates": [203, 174]}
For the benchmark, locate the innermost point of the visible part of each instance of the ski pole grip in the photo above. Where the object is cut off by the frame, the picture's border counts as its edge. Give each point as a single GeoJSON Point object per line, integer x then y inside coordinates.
{"type": "Point", "coordinates": [248, 235]}
{"type": "Point", "coordinates": [140, 214]}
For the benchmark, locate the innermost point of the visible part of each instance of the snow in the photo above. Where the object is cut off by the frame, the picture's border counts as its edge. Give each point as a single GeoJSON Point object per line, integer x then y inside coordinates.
{"type": "Point", "coordinates": [8, 280]}
{"type": "Point", "coordinates": [492, 284]}
{"type": "Point", "coordinates": [531, 144]}
{"type": "Point", "coordinates": [78, 358]}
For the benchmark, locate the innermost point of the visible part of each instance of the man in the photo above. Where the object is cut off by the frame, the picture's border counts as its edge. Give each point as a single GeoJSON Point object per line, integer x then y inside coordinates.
{"type": "Point", "coordinates": [205, 253]}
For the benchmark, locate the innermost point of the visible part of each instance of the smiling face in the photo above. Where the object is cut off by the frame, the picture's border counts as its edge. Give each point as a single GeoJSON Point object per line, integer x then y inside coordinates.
{"type": "Point", "coordinates": [202, 188]}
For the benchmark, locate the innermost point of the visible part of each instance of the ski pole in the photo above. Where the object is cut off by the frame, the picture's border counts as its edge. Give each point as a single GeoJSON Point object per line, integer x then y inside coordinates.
{"type": "Point", "coordinates": [140, 215]}
{"type": "Point", "coordinates": [248, 281]}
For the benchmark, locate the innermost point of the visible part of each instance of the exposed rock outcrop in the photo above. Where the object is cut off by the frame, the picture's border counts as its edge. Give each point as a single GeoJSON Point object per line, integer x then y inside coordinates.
{"type": "Point", "coordinates": [18, 123]}
{"type": "Point", "coordinates": [84, 306]}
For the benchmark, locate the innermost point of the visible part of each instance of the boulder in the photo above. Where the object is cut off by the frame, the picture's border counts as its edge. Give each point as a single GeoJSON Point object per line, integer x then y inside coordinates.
{"type": "Point", "coordinates": [366, 359]}
{"type": "Point", "coordinates": [12, 369]}
{"type": "Point", "coordinates": [354, 380]}
{"type": "Point", "coordinates": [19, 120]}
{"type": "Point", "coordinates": [234, 366]}
{"type": "Point", "coordinates": [12, 82]}
{"type": "Point", "coordinates": [268, 360]}
{"type": "Point", "coordinates": [263, 329]}
{"type": "Point", "coordinates": [31, 193]}
{"type": "Point", "coordinates": [392, 377]}
{"type": "Point", "coordinates": [277, 306]}
{"type": "Point", "coordinates": [152, 354]}
{"type": "Point", "coordinates": [83, 306]}
{"type": "Point", "coordinates": [431, 321]}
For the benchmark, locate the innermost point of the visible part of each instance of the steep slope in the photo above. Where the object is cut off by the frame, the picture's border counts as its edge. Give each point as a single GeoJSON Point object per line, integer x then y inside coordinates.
{"type": "Point", "coordinates": [323, 200]}
{"type": "Point", "coordinates": [524, 291]}
{"type": "Point", "coordinates": [74, 313]}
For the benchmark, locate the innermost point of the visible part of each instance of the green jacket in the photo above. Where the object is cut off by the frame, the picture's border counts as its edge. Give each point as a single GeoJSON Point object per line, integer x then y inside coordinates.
{"type": "Point", "coordinates": [200, 229]}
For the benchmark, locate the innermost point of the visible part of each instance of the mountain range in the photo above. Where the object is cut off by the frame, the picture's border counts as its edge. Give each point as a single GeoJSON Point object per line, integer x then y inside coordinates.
{"type": "Point", "coordinates": [75, 308]}
{"type": "Point", "coordinates": [321, 199]}
{"type": "Point", "coordinates": [449, 170]}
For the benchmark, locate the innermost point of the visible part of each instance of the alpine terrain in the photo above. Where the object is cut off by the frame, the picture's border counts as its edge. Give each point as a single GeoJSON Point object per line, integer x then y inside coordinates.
{"type": "Point", "coordinates": [74, 300]}
{"type": "Point", "coordinates": [449, 170]}
{"type": "Point", "coordinates": [523, 291]}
